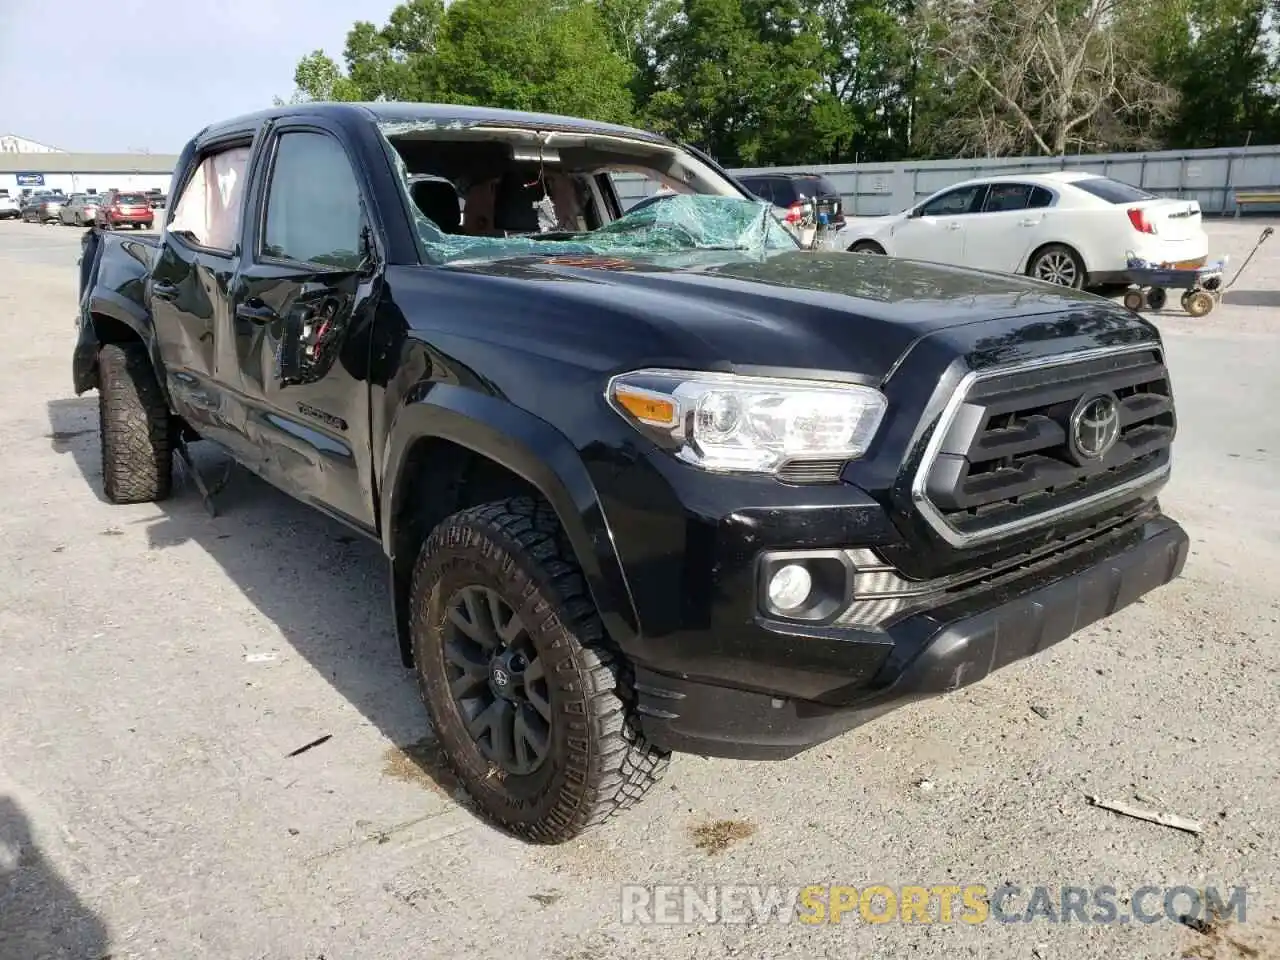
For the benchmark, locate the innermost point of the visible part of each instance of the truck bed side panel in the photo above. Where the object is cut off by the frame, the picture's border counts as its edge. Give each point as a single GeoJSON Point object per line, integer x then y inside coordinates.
{"type": "Point", "coordinates": [113, 299]}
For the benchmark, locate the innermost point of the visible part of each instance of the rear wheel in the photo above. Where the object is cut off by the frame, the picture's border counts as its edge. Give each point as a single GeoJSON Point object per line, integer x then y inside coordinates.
{"type": "Point", "coordinates": [531, 705]}
{"type": "Point", "coordinates": [1057, 263]}
{"type": "Point", "coordinates": [133, 418]}
{"type": "Point", "coordinates": [867, 246]}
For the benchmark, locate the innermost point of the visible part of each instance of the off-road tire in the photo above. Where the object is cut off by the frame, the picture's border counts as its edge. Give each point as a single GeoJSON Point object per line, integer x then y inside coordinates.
{"type": "Point", "coordinates": [599, 761]}
{"type": "Point", "coordinates": [135, 427]}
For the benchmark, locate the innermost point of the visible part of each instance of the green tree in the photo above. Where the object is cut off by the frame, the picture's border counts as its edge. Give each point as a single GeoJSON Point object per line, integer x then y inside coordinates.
{"type": "Point", "coordinates": [872, 71]}
{"type": "Point", "coordinates": [543, 56]}
{"type": "Point", "coordinates": [760, 82]}
{"type": "Point", "coordinates": [1220, 60]}
{"type": "Point", "coordinates": [743, 80]}
{"type": "Point", "coordinates": [317, 77]}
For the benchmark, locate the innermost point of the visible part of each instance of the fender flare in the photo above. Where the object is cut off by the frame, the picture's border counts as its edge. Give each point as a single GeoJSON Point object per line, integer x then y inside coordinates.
{"type": "Point", "coordinates": [106, 303]}
{"type": "Point", "coordinates": [109, 304]}
{"type": "Point", "coordinates": [533, 450]}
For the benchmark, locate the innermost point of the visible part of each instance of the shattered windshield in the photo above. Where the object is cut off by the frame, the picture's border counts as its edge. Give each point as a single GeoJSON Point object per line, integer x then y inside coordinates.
{"type": "Point", "coordinates": [496, 196]}
{"type": "Point", "coordinates": [679, 223]}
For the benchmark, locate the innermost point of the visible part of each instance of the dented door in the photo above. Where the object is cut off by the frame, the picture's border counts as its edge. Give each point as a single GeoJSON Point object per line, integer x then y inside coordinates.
{"type": "Point", "coordinates": [302, 308]}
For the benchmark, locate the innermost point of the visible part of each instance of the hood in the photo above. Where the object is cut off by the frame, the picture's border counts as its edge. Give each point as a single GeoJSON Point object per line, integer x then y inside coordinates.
{"type": "Point", "coordinates": [791, 311]}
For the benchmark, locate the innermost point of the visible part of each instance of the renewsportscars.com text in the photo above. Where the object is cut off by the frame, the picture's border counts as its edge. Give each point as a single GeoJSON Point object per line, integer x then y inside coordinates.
{"type": "Point", "coordinates": [936, 903]}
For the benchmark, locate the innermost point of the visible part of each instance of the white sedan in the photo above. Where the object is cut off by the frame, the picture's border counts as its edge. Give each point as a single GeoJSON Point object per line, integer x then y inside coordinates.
{"type": "Point", "coordinates": [1075, 229]}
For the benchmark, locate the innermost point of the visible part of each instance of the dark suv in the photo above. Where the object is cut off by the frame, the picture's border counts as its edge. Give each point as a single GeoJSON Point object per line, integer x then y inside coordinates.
{"type": "Point", "coordinates": [806, 201]}
{"type": "Point", "coordinates": [645, 482]}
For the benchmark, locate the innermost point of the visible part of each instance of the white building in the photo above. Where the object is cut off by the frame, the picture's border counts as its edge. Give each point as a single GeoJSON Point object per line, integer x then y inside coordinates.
{"type": "Point", "coordinates": [27, 167]}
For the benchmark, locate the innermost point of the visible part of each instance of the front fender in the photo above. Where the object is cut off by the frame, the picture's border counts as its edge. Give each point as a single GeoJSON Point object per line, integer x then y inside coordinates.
{"type": "Point", "coordinates": [535, 451]}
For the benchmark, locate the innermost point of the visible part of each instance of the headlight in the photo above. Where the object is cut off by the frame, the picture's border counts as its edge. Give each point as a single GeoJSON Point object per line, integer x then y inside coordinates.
{"type": "Point", "coordinates": [721, 421]}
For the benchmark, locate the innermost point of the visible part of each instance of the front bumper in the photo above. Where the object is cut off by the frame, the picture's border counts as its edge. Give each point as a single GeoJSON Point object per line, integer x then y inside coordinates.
{"type": "Point", "coordinates": [932, 652]}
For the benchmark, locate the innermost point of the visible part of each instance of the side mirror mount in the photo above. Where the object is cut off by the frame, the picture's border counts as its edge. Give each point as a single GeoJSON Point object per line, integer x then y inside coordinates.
{"type": "Point", "coordinates": [310, 336]}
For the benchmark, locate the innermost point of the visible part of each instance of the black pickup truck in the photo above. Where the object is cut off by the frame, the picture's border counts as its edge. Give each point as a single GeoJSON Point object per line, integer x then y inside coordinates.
{"type": "Point", "coordinates": [646, 482]}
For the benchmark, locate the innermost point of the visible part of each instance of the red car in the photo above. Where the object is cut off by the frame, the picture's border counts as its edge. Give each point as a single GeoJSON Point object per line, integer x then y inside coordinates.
{"type": "Point", "coordinates": [119, 209]}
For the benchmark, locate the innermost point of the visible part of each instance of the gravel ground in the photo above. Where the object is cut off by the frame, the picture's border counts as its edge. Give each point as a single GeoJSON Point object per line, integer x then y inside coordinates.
{"type": "Point", "coordinates": [158, 666]}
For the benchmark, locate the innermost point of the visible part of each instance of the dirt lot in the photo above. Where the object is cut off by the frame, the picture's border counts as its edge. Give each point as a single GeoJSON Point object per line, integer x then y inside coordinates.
{"type": "Point", "coordinates": [158, 667]}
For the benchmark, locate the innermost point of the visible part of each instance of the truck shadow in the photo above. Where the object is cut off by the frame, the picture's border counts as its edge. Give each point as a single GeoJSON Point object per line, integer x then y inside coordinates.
{"type": "Point", "coordinates": [324, 586]}
{"type": "Point", "coordinates": [40, 916]}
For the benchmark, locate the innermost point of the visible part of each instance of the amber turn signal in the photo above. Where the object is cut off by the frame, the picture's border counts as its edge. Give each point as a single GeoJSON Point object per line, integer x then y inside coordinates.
{"type": "Point", "coordinates": [649, 408]}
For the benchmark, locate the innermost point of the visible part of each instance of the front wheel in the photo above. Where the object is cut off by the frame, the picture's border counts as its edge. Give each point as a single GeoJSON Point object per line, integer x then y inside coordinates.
{"type": "Point", "coordinates": [1057, 263]}
{"type": "Point", "coordinates": [531, 706]}
{"type": "Point", "coordinates": [868, 247]}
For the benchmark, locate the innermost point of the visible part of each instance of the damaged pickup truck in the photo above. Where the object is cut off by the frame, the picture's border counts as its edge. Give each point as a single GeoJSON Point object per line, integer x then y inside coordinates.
{"type": "Point", "coordinates": [647, 482]}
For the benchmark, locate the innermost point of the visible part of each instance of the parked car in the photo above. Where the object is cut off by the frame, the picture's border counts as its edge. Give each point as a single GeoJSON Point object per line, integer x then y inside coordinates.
{"type": "Point", "coordinates": [660, 481]}
{"type": "Point", "coordinates": [125, 209]}
{"type": "Point", "coordinates": [1070, 228]}
{"type": "Point", "coordinates": [10, 209]}
{"type": "Point", "coordinates": [80, 210]}
{"type": "Point", "coordinates": [806, 202]}
{"type": "Point", "coordinates": [42, 207]}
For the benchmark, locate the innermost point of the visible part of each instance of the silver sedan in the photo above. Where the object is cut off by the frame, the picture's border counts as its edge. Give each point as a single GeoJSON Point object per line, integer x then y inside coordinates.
{"type": "Point", "coordinates": [80, 210]}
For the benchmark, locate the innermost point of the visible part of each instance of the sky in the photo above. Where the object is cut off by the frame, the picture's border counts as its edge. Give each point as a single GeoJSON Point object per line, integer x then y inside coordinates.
{"type": "Point", "coordinates": [110, 76]}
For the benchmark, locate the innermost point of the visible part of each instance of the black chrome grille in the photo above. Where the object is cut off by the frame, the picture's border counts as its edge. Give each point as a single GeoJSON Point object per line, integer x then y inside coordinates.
{"type": "Point", "coordinates": [1007, 456]}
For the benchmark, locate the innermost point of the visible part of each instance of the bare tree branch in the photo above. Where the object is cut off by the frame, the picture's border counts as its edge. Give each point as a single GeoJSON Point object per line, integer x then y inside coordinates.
{"type": "Point", "coordinates": [1055, 72]}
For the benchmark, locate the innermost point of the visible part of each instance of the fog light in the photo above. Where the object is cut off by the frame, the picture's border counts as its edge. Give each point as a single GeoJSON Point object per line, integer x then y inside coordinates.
{"type": "Point", "coordinates": [789, 587]}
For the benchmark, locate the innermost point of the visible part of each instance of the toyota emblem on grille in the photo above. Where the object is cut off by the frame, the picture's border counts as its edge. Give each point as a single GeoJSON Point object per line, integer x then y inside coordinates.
{"type": "Point", "coordinates": [1094, 427]}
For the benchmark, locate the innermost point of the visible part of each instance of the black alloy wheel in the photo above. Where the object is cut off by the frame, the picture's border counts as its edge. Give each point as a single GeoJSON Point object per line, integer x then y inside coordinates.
{"type": "Point", "coordinates": [497, 680]}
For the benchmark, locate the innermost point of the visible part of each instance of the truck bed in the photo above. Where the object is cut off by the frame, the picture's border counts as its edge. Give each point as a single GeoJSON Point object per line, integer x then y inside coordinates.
{"type": "Point", "coordinates": [118, 264]}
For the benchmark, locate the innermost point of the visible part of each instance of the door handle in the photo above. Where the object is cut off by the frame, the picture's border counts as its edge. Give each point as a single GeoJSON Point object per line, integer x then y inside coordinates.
{"type": "Point", "coordinates": [164, 291]}
{"type": "Point", "coordinates": [1028, 221]}
{"type": "Point", "coordinates": [255, 311]}
{"type": "Point", "coordinates": [953, 225]}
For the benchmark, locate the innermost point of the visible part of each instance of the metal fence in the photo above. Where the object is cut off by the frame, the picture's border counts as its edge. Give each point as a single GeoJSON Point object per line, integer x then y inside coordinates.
{"type": "Point", "coordinates": [1213, 177]}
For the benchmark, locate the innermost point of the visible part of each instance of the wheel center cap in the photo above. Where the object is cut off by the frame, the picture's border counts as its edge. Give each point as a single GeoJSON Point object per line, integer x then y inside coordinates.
{"type": "Point", "coordinates": [506, 674]}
